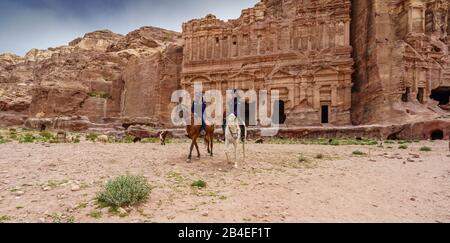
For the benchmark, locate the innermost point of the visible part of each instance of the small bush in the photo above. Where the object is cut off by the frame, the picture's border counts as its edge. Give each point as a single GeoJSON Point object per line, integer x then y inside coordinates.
{"type": "Point", "coordinates": [199, 184]}
{"type": "Point", "coordinates": [47, 135]}
{"type": "Point", "coordinates": [129, 139]}
{"type": "Point", "coordinates": [95, 214]}
{"type": "Point", "coordinates": [100, 94]}
{"type": "Point", "coordinates": [425, 149]}
{"type": "Point", "coordinates": [320, 156]}
{"type": "Point", "coordinates": [403, 146]}
{"type": "Point", "coordinates": [4, 218]}
{"type": "Point", "coordinates": [359, 153]}
{"type": "Point", "coordinates": [150, 140]}
{"type": "Point", "coordinates": [302, 159]}
{"type": "Point", "coordinates": [2, 140]}
{"type": "Point", "coordinates": [92, 137]}
{"type": "Point", "coordinates": [405, 142]}
{"type": "Point", "coordinates": [27, 138]}
{"type": "Point", "coordinates": [124, 191]}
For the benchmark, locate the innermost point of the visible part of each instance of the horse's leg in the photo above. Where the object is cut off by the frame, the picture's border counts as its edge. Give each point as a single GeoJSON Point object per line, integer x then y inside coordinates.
{"type": "Point", "coordinates": [235, 154]}
{"type": "Point", "coordinates": [212, 144]}
{"type": "Point", "coordinates": [207, 143]}
{"type": "Point", "coordinates": [190, 151]}
{"type": "Point", "coordinates": [243, 149]}
{"type": "Point", "coordinates": [227, 147]}
{"type": "Point", "coordinates": [196, 147]}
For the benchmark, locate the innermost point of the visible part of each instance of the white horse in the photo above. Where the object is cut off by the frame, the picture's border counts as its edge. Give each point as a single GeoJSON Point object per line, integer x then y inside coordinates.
{"type": "Point", "coordinates": [233, 136]}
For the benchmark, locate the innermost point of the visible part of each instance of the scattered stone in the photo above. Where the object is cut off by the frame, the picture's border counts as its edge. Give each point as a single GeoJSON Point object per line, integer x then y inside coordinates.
{"type": "Point", "coordinates": [42, 220]}
{"type": "Point", "coordinates": [411, 161]}
{"type": "Point", "coordinates": [206, 214]}
{"type": "Point", "coordinates": [122, 211]}
{"type": "Point", "coordinates": [47, 188]}
{"type": "Point", "coordinates": [18, 193]}
{"type": "Point", "coordinates": [61, 137]}
{"type": "Point", "coordinates": [75, 188]}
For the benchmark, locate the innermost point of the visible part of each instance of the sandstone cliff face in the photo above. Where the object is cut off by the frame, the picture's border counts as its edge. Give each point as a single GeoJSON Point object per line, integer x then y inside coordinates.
{"type": "Point", "coordinates": [333, 62]}
{"type": "Point", "coordinates": [401, 50]}
{"type": "Point", "coordinates": [86, 78]}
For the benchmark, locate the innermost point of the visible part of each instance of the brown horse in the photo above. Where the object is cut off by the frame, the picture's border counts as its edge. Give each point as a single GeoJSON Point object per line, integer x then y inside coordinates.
{"type": "Point", "coordinates": [194, 132]}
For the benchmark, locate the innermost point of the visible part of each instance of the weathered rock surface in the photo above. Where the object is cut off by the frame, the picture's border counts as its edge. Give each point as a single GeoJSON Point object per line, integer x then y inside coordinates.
{"type": "Point", "coordinates": [335, 63]}
{"type": "Point", "coordinates": [401, 51]}
{"type": "Point", "coordinates": [87, 78]}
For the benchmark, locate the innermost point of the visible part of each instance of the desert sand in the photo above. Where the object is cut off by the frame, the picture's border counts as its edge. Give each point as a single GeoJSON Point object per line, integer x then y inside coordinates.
{"type": "Point", "coordinates": [59, 182]}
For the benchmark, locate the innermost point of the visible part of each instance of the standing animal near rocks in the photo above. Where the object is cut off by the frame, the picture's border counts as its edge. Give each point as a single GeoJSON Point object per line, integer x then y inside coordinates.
{"type": "Point", "coordinates": [233, 136]}
{"type": "Point", "coordinates": [194, 132]}
{"type": "Point", "coordinates": [163, 137]}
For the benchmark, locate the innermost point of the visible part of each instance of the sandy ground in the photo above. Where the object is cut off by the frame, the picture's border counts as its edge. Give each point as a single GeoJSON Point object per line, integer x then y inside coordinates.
{"type": "Point", "coordinates": [59, 182]}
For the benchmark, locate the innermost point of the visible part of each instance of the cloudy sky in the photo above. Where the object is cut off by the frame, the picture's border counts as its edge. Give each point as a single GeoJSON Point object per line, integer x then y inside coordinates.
{"type": "Point", "coordinates": [26, 24]}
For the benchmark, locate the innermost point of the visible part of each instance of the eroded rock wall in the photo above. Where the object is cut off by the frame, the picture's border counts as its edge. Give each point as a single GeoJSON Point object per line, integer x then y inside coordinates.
{"type": "Point", "coordinates": [401, 51]}
{"type": "Point", "coordinates": [89, 77]}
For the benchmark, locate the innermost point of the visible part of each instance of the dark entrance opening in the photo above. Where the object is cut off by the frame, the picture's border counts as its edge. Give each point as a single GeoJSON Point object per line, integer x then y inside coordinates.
{"type": "Point", "coordinates": [437, 135]}
{"type": "Point", "coordinates": [405, 96]}
{"type": "Point", "coordinates": [250, 114]}
{"type": "Point", "coordinates": [420, 95]}
{"type": "Point", "coordinates": [325, 114]}
{"type": "Point", "coordinates": [441, 94]}
{"type": "Point", "coordinates": [279, 108]}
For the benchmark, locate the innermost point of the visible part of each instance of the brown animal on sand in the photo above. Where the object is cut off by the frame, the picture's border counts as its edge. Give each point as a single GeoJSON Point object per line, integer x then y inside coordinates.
{"type": "Point", "coordinates": [259, 141]}
{"type": "Point", "coordinates": [163, 136]}
{"type": "Point", "coordinates": [194, 132]}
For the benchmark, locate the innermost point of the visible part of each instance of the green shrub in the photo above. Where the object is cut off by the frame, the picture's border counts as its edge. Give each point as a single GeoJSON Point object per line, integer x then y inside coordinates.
{"type": "Point", "coordinates": [199, 184]}
{"type": "Point", "coordinates": [2, 140]}
{"type": "Point", "coordinates": [150, 140]}
{"type": "Point", "coordinates": [124, 191]}
{"type": "Point", "coordinates": [27, 138]}
{"type": "Point", "coordinates": [96, 214]}
{"type": "Point", "coordinates": [100, 94]}
{"type": "Point", "coordinates": [92, 137]}
{"type": "Point", "coordinates": [47, 135]}
{"type": "Point", "coordinates": [4, 218]}
{"type": "Point", "coordinates": [404, 142]}
{"type": "Point", "coordinates": [129, 139]}
{"type": "Point", "coordinates": [426, 149]}
{"type": "Point", "coordinates": [404, 146]}
{"type": "Point", "coordinates": [320, 156]}
{"type": "Point", "coordinates": [302, 159]}
{"type": "Point", "coordinates": [359, 153]}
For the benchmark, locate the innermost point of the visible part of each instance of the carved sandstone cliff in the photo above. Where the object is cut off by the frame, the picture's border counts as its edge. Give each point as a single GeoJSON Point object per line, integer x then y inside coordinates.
{"type": "Point", "coordinates": [401, 51]}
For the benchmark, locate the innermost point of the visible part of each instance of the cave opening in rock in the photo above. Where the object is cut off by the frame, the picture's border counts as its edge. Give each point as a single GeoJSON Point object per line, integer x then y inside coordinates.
{"type": "Point", "coordinates": [420, 95]}
{"type": "Point", "coordinates": [437, 135]}
{"type": "Point", "coordinates": [279, 107]}
{"type": "Point", "coordinates": [441, 94]}
{"type": "Point", "coordinates": [405, 96]}
{"type": "Point", "coordinates": [325, 114]}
